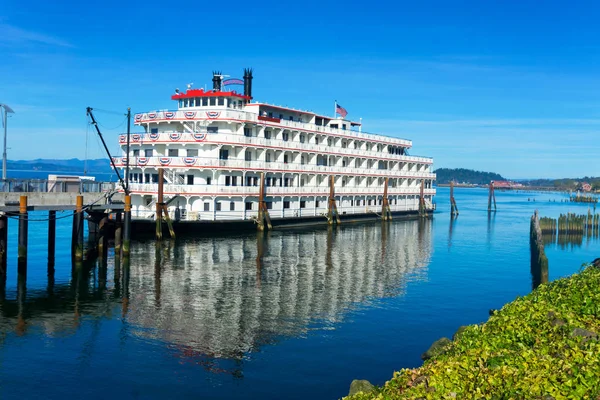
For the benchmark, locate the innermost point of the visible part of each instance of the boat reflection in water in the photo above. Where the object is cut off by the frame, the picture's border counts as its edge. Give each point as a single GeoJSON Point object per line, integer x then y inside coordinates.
{"type": "Point", "coordinates": [214, 301]}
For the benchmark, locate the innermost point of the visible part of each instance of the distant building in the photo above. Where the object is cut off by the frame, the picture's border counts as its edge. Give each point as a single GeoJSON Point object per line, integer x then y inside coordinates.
{"type": "Point", "coordinates": [585, 187]}
{"type": "Point", "coordinates": [507, 185]}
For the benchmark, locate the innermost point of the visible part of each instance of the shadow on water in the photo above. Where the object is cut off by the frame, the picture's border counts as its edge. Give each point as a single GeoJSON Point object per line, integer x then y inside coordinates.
{"type": "Point", "coordinates": [491, 221]}
{"type": "Point", "coordinates": [213, 301]}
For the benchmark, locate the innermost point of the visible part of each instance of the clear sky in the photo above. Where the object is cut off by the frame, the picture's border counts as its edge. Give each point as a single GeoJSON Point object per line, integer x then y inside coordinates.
{"type": "Point", "coordinates": [504, 86]}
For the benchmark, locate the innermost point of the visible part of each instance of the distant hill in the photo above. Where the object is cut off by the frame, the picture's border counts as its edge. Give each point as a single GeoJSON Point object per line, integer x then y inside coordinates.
{"type": "Point", "coordinates": [75, 165]}
{"type": "Point", "coordinates": [461, 175]}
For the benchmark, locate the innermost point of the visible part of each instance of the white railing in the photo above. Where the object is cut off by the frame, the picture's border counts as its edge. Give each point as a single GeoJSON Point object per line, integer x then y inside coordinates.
{"type": "Point", "coordinates": [226, 215]}
{"type": "Point", "coordinates": [187, 137]}
{"type": "Point", "coordinates": [244, 116]}
{"type": "Point", "coordinates": [211, 163]}
{"type": "Point", "coordinates": [221, 190]}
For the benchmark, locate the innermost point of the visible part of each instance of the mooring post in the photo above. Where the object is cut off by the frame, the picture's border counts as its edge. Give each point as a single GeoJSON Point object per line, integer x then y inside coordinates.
{"type": "Point", "coordinates": [126, 226]}
{"type": "Point", "coordinates": [453, 207]}
{"type": "Point", "coordinates": [332, 209]}
{"type": "Point", "coordinates": [118, 233]}
{"type": "Point", "coordinates": [23, 225]}
{"type": "Point", "coordinates": [491, 196]}
{"type": "Point", "coordinates": [77, 239]}
{"type": "Point", "coordinates": [103, 238]}
{"type": "Point", "coordinates": [386, 213]}
{"type": "Point", "coordinates": [422, 210]}
{"type": "Point", "coordinates": [3, 245]}
{"type": "Point", "coordinates": [159, 204]}
{"type": "Point", "coordinates": [51, 241]}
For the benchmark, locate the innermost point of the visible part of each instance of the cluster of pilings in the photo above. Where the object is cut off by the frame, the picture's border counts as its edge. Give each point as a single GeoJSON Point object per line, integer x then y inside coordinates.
{"type": "Point", "coordinates": [570, 228]}
{"type": "Point", "coordinates": [98, 241]}
{"type": "Point", "coordinates": [580, 198]}
{"type": "Point", "coordinates": [539, 261]}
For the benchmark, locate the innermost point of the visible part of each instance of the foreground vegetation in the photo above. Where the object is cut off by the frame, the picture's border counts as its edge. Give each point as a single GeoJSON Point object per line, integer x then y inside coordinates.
{"type": "Point", "coordinates": [541, 346]}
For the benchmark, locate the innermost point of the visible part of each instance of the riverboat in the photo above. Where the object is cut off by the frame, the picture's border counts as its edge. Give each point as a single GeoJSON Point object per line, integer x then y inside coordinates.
{"type": "Point", "coordinates": [226, 158]}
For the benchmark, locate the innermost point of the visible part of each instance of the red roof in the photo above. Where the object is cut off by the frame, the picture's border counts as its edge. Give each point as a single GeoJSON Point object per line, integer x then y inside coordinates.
{"type": "Point", "coordinates": [201, 93]}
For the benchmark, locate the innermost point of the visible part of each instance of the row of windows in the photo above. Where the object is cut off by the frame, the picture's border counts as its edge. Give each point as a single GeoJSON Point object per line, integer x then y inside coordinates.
{"type": "Point", "coordinates": [211, 101]}
{"type": "Point", "coordinates": [249, 206]}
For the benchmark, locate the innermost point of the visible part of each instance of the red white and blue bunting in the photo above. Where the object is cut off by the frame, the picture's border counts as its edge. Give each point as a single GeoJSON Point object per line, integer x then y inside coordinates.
{"type": "Point", "coordinates": [152, 115]}
{"type": "Point", "coordinates": [122, 139]}
{"type": "Point", "coordinates": [199, 137]}
{"type": "Point", "coordinates": [124, 160]}
{"type": "Point", "coordinates": [175, 136]}
{"type": "Point", "coordinates": [189, 161]}
{"type": "Point", "coordinates": [142, 161]}
{"type": "Point", "coordinates": [169, 114]}
{"type": "Point", "coordinates": [213, 114]}
{"type": "Point", "coordinates": [189, 114]}
{"type": "Point", "coordinates": [136, 137]}
{"type": "Point", "coordinates": [165, 160]}
{"type": "Point", "coordinates": [154, 136]}
{"type": "Point", "coordinates": [138, 117]}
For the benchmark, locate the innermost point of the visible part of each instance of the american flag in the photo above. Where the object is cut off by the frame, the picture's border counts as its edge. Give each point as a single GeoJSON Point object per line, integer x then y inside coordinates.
{"type": "Point", "coordinates": [340, 110]}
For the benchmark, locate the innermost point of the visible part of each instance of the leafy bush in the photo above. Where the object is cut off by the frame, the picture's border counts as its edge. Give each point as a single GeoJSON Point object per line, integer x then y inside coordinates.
{"type": "Point", "coordinates": [540, 346]}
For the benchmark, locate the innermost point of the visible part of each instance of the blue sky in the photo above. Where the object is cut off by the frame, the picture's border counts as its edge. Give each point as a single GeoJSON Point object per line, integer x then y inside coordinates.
{"type": "Point", "coordinates": [504, 86]}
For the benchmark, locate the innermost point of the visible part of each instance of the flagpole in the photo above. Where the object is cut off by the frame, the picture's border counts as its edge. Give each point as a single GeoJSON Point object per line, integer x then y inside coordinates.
{"type": "Point", "coordinates": [334, 108]}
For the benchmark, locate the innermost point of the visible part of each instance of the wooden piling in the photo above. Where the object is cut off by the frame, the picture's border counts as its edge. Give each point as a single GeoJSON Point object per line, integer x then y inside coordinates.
{"type": "Point", "coordinates": [491, 197]}
{"type": "Point", "coordinates": [453, 206]}
{"type": "Point", "coordinates": [3, 245]}
{"type": "Point", "coordinates": [51, 241]}
{"type": "Point", "coordinates": [264, 219]}
{"type": "Point", "coordinates": [77, 237]}
{"type": "Point", "coordinates": [386, 213]}
{"type": "Point", "coordinates": [539, 261]}
{"type": "Point", "coordinates": [23, 228]}
{"type": "Point", "coordinates": [159, 203]}
{"type": "Point", "coordinates": [126, 226]}
{"type": "Point", "coordinates": [118, 232]}
{"type": "Point", "coordinates": [332, 210]}
{"type": "Point", "coordinates": [422, 208]}
{"type": "Point", "coordinates": [103, 238]}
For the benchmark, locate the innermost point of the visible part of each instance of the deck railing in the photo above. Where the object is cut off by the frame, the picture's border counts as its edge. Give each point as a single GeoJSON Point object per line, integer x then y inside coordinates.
{"type": "Point", "coordinates": [53, 186]}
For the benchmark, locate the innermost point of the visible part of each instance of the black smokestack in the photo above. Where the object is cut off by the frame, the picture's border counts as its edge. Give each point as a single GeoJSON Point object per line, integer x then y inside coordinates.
{"type": "Point", "coordinates": [217, 81]}
{"type": "Point", "coordinates": [248, 82]}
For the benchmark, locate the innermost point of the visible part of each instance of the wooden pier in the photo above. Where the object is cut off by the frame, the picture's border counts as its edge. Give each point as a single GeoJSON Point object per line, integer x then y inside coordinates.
{"type": "Point", "coordinates": [101, 209]}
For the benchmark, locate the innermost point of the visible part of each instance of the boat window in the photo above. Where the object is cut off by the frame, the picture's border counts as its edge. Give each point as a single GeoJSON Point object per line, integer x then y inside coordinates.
{"type": "Point", "coordinates": [180, 103]}
{"type": "Point", "coordinates": [302, 203]}
{"type": "Point", "coordinates": [136, 153]}
{"type": "Point", "coordinates": [286, 136]}
{"type": "Point", "coordinates": [248, 132]}
{"type": "Point", "coordinates": [205, 101]}
{"type": "Point", "coordinates": [269, 205]}
{"type": "Point", "coordinates": [234, 181]}
{"type": "Point", "coordinates": [192, 152]}
{"type": "Point", "coordinates": [173, 152]}
{"type": "Point", "coordinates": [286, 204]}
{"type": "Point", "coordinates": [190, 179]}
{"type": "Point", "coordinates": [301, 138]}
{"type": "Point", "coordinates": [154, 130]}
{"type": "Point", "coordinates": [232, 206]}
{"type": "Point", "coordinates": [148, 153]}
{"type": "Point", "coordinates": [206, 206]}
{"type": "Point", "coordinates": [270, 114]}
{"type": "Point", "coordinates": [248, 206]}
{"type": "Point", "coordinates": [223, 154]}
{"type": "Point", "coordinates": [221, 101]}
{"type": "Point", "coordinates": [291, 118]}
{"type": "Point", "coordinates": [213, 101]}
{"type": "Point", "coordinates": [185, 102]}
{"type": "Point", "coordinates": [208, 180]}
{"type": "Point", "coordinates": [248, 155]}
{"type": "Point", "coordinates": [228, 103]}
{"type": "Point", "coordinates": [227, 180]}
{"type": "Point", "coordinates": [218, 204]}
{"type": "Point", "coordinates": [280, 116]}
{"type": "Point", "coordinates": [267, 134]}
{"type": "Point", "coordinates": [212, 129]}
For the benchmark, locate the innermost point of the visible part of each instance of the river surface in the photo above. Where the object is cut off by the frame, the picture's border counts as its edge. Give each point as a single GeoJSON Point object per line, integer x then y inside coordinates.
{"type": "Point", "coordinates": [295, 314]}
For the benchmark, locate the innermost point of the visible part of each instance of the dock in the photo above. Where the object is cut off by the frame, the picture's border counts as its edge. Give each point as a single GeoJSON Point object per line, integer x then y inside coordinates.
{"type": "Point", "coordinates": [93, 201]}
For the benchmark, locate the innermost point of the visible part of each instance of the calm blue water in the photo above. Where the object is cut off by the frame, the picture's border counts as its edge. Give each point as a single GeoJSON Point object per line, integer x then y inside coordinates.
{"type": "Point", "coordinates": [211, 318]}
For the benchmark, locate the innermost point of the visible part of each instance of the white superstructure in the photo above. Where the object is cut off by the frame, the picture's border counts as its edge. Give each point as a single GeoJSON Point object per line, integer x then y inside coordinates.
{"type": "Point", "coordinates": [215, 146]}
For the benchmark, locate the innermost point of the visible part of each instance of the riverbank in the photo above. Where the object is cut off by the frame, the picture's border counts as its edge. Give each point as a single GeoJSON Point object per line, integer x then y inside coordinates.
{"type": "Point", "coordinates": [540, 345]}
